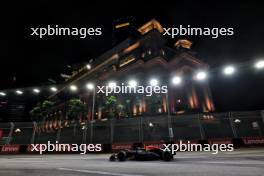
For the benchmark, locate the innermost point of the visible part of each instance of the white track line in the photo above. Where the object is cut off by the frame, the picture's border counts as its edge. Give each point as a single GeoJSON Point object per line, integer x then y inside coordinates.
{"type": "Point", "coordinates": [97, 172]}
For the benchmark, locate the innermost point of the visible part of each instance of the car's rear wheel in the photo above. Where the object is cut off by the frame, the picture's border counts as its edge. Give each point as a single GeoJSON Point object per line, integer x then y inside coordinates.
{"type": "Point", "coordinates": [167, 156]}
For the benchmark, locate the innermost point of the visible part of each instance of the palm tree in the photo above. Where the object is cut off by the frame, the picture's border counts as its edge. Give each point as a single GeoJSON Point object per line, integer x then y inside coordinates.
{"type": "Point", "coordinates": [36, 114]}
{"type": "Point", "coordinates": [42, 112]}
{"type": "Point", "coordinates": [76, 109]}
{"type": "Point", "coordinates": [111, 102]}
{"type": "Point", "coordinates": [47, 109]}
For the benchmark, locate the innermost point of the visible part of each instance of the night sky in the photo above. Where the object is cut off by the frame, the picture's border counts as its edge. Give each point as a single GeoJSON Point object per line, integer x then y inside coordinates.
{"type": "Point", "coordinates": [32, 60]}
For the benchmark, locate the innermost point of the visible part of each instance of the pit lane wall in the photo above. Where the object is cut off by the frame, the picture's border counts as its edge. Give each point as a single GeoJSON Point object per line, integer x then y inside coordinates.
{"type": "Point", "coordinates": [240, 128]}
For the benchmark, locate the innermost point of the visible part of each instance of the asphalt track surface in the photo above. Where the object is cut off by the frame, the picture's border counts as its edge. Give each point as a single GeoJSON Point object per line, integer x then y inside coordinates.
{"type": "Point", "coordinates": [240, 162]}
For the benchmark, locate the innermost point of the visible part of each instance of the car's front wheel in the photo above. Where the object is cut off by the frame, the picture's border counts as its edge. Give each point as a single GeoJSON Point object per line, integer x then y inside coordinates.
{"type": "Point", "coordinates": [112, 157]}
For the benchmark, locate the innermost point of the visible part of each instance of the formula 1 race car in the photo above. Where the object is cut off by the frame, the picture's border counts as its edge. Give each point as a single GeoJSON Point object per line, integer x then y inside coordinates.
{"type": "Point", "coordinates": [142, 154]}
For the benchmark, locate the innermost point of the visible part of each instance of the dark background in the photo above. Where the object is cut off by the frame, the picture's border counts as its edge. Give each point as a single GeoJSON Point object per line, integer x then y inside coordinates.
{"type": "Point", "coordinates": [32, 60]}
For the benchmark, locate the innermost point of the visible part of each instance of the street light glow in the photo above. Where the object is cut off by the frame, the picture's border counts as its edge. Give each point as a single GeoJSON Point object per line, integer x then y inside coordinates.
{"type": "Point", "coordinates": [73, 88]}
{"type": "Point", "coordinates": [53, 89]}
{"type": "Point", "coordinates": [176, 80]}
{"type": "Point", "coordinates": [229, 70]}
{"type": "Point", "coordinates": [88, 66]}
{"type": "Point", "coordinates": [153, 82]}
{"type": "Point", "coordinates": [259, 64]}
{"type": "Point", "coordinates": [19, 92]}
{"type": "Point", "coordinates": [36, 91]}
{"type": "Point", "coordinates": [89, 86]}
{"type": "Point", "coordinates": [2, 94]}
{"type": "Point", "coordinates": [201, 75]}
{"type": "Point", "coordinates": [237, 121]}
{"type": "Point", "coordinates": [132, 83]}
{"type": "Point", "coordinates": [18, 130]}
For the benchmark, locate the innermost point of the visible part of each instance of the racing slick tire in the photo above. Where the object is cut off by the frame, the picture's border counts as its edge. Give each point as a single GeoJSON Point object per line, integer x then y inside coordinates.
{"type": "Point", "coordinates": [112, 157]}
{"type": "Point", "coordinates": [121, 156]}
{"type": "Point", "coordinates": [167, 156]}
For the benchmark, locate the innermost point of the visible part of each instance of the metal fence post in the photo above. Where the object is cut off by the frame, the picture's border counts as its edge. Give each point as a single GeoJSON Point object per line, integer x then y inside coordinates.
{"type": "Point", "coordinates": [58, 135]}
{"type": "Point", "coordinates": [74, 129]}
{"type": "Point", "coordinates": [91, 132]}
{"type": "Point", "coordinates": [112, 125]}
{"type": "Point", "coordinates": [202, 132]}
{"type": "Point", "coordinates": [12, 126]}
{"type": "Point", "coordinates": [262, 120]}
{"type": "Point", "coordinates": [140, 129]}
{"type": "Point", "coordinates": [230, 117]}
{"type": "Point", "coordinates": [32, 140]}
{"type": "Point", "coordinates": [84, 135]}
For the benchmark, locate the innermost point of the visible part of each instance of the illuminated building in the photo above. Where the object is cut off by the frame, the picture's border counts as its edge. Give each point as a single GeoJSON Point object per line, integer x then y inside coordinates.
{"type": "Point", "coordinates": [142, 57]}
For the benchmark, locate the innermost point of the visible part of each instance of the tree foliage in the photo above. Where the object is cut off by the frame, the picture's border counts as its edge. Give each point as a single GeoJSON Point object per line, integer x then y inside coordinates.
{"type": "Point", "coordinates": [75, 108]}
{"type": "Point", "coordinates": [36, 114]}
{"type": "Point", "coordinates": [42, 111]}
{"type": "Point", "coordinates": [111, 102]}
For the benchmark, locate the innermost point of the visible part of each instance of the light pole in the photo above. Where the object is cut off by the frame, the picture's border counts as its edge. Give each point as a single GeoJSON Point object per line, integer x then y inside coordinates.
{"type": "Point", "coordinates": [169, 118]}
{"type": "Point", "coordinates": [154, 82]}
{"type": "Point", "coordinates": [90, 86]}
{"type": "Point", "coordinates": [93, 104]}
{"type": "Point", "coordinates": [176, 80]}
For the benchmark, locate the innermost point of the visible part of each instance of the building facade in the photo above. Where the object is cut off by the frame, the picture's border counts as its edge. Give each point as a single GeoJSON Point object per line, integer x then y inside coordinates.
{"type": "Point", "coordinates": [141, 57]}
